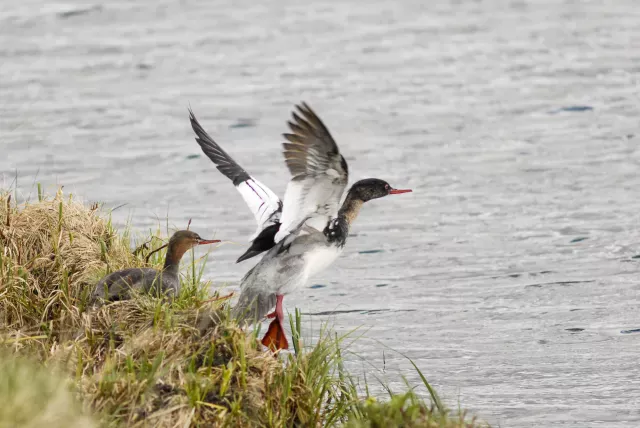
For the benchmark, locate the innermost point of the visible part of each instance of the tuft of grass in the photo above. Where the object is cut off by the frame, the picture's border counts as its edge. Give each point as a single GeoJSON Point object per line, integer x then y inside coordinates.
{"type": "Point", "coordinates": [409, 411]}
{"type": "Point", "coordinates": [145, 362]}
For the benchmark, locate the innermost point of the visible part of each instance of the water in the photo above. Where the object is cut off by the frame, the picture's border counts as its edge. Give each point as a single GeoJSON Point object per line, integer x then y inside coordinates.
{"type": "Point", "coordinates": [508, 275]}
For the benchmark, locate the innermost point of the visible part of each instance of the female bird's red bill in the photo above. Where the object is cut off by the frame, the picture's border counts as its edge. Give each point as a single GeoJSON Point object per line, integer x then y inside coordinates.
{"type": "Point", "coordinates": [398, 191]}
{"type": "Point", "coordinates": [275, 338]}
{"type": "Point", "coordinates": [208, 241]}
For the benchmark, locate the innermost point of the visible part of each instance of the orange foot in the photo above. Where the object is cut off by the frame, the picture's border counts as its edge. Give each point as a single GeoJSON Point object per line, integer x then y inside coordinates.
{"type": "Point", "coordinates": [275, 338]}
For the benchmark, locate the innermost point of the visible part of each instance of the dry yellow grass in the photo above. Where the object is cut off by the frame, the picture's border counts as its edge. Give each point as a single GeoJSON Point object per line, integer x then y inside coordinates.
{"type": "Point", "coordinates": [54, 249]}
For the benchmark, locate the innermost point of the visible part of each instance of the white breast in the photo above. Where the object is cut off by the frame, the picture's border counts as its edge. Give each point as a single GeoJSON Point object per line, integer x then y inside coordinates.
{"type": "Point", "coordinates": [320, 258]}
{"type": "Point", "coordinates": [284, 273]}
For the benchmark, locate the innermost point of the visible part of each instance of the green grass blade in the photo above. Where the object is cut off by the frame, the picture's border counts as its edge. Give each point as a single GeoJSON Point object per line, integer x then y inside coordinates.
{"type": "Point", "coordinates": [432, 392]}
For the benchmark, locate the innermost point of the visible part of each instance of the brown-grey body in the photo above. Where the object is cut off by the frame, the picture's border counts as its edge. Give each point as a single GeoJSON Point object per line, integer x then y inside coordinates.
{"type": "Point", "coordinates": [166, 282]}
{"type": "Point", "coordinates": [118, 285]}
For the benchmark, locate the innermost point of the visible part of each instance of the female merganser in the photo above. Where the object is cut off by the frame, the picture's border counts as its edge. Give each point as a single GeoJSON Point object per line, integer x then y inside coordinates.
{"type": "Point", "coordinates": [313, 230]}
{"type": "Point", "coordinates": [118, 285]}
{"type": "Point", "coordinates": [264, 204]}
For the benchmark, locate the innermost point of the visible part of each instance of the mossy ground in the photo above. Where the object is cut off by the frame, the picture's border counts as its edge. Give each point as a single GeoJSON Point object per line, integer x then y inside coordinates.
{"type": "Point", "coordinates": [145, 362]}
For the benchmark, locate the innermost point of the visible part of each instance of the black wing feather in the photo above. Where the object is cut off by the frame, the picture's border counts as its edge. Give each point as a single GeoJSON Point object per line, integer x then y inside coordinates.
{"type": "Point", "coordinates": [224, 162]}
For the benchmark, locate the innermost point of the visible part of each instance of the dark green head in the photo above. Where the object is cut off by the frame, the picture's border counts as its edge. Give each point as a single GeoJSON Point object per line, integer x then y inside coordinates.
{"type": "Point", "coordinates": [373, 188]}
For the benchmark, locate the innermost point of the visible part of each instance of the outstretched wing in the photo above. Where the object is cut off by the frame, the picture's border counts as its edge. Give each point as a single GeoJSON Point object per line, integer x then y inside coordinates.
{"type": "Point", "coordinates": [263, 203]}
{"type": "Point", "coordinates": [319, 174]}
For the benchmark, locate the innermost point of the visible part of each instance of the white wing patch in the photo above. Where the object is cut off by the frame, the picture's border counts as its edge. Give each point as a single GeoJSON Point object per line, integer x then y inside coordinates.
{"type": "Point", "coordinates": [262, 202]}
{"type": "Point", "coordinates": [333, 173]}
{"type": "Point", "coordinates": [315, 198]}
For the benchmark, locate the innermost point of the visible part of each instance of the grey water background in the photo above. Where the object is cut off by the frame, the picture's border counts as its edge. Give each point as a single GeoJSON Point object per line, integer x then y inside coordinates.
{"type": "Point", "coordinates": [510, 274]}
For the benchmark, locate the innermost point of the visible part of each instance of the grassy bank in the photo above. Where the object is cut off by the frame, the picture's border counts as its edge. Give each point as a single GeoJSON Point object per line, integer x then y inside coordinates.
{"type": "Point", "coordinates": [145, 362]}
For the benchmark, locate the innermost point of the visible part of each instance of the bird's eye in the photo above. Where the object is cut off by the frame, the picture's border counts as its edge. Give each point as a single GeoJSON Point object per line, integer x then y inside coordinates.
{"type": "Point", "coordinates": [386, 186]}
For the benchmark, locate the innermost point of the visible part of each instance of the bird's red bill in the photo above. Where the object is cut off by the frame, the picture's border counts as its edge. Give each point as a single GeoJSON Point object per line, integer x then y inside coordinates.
{"type": "Point", "coordinates": [275, 338]}
{"type": "Point", "coordinates": [398, 191]}
{"type": "Point", "coordinates": [208, 241]}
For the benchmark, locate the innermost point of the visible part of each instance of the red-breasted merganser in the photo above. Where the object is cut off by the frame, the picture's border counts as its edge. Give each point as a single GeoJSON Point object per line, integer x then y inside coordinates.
{"type": "Point", "coordinates": [313, 228]}
{"type": "Point", "coordinates": [118, 285]}
{"type": "Point", "coordinates": [264, 204]}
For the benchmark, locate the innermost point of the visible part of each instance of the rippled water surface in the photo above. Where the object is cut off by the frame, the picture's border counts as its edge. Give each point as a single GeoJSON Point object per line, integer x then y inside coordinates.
{"type": "Point", "coordinates": [510, 275]}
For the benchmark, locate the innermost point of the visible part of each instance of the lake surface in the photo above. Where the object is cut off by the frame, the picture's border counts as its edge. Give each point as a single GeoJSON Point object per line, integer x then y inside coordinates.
{"type": "Point", "coordinates": [510, 275]}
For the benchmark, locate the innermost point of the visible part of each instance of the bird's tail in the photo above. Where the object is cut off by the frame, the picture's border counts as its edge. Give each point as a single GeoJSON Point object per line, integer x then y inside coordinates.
{"type": "Point", "coordinates": [253, 305]}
